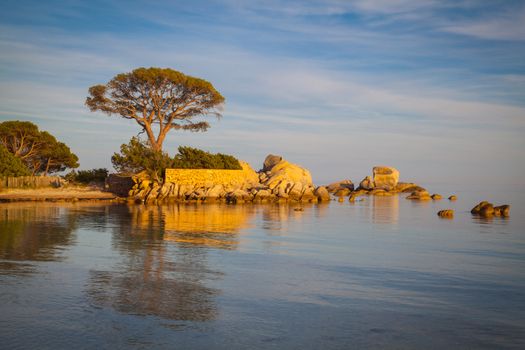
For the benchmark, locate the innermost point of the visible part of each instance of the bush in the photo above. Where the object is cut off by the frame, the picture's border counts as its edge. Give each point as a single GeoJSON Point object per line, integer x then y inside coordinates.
{"type": "Point", "coordinates": [88, 176]}
{"type": "Point", "coordinates": [137, 156]}
{"type": "Point", "coordinates": [193, 158]}
{"type": "Point", "coordinates": [11, 165]}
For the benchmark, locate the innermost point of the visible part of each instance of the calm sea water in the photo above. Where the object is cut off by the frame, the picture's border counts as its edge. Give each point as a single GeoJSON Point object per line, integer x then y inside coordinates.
{"type": "Point", "coordinates": [381, 273]}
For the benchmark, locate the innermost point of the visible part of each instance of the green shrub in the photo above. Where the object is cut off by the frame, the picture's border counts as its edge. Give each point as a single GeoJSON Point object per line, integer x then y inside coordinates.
{"type": "Point", "coordinates": [193, 158]}
{"type": "Point", "coordinates": [87, 176]}
{"type": "Point", "coordinates": [11, 165]}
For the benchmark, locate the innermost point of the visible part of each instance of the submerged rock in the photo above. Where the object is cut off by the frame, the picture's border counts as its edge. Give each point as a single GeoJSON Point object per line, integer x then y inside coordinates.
{"type": "Point", "coordinates": [502, 210]}
{"type": "Point", "coordinates": [446, 213]}
{"type": "Point", "coordinates": [436, 196]}
{"type": "Point", "coordinates": [452, 198]}
{"type": "Point", "coordinates": [487, 209]}
{"type": "Point", "coordinates": [419, 195]}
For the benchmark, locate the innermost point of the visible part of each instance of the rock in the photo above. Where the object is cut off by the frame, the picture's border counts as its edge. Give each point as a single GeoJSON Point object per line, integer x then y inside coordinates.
{"type": "Point", "coordinates": [352, 198]}
{"type": "Point", "coordinates": [385, 177]}
{"type": "Point", "coordinates": [502, 210]}
{"type": "Point", "coordinates": [340, 199]}
{"type": "Point", "coordinates": [308, 195]}
{"type": "Point", "coordinates": [452, 198]}
{"type": "Point", "coordinates": [216, 191]}
{"type": "Point", "coordinates": [436, 196]}
{"type": "Point", "coordinates": [296, 191]}
{"type": "Point", "coordinates": [343, 192]}
{"type": "Point", "coordinates": [446, 213]}
{"type": "Point", "coordinates": [487, 210]}
{"type": "Point", "coordinates": [322, 194]}
{"type": "Point", "coordinates": [419, 195]}
{"type": "Point", "coordinates": [408, 187]}
{"type": "Point", "coordinates": [270, 161]}
{"type": "Point", "coordinates": [298, 209]}
{"type": "Point", "coordinates": [366, 184]}
{"type": "Point", "coordinates": [263, 194]}
{"type": "Point", "coordinates": [284, 171]}
{"type": "Point", "coordinates": [343, 184]}
{"type": "Point", "coordinates": [477, 209]}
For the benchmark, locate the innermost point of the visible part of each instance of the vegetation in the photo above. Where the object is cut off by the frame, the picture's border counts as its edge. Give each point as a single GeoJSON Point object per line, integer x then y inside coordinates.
{"type": "Point", "coordinates": [193, 158]}
{"type": "Point", "coordinates": [39, 151]}
{"type": "Point", "coordinates": [87, 176]}
{"type": "Point", "coordinates": [11, 165]}
{"type": "Point", "coordinates": [159, 100]}
{"type": "Point", "coordinates": [136, 156]}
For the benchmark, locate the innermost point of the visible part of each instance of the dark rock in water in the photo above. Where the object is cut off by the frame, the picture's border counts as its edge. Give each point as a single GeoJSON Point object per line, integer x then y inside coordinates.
{"type": "Point", "coordinates": [446, 213]}
{"type": "Point", "coordinates": [477, 209]}
{"type": "Point", "coordinates": [452, 198]}
{"type": "Point", "coordinates": [343, 184]}
{"type": "Point", "coordinates": [270, 161]}
{"type": "Point", "coordinates": [502, 210]}
{"type": "Point", "coordinates": [487, 210]}
{"type": "Point", "coordinates": [436, 196]}
{"type": "Point", "coordinates": [419, 195]}
{"type": "Point", "coordinates": [408, 187]}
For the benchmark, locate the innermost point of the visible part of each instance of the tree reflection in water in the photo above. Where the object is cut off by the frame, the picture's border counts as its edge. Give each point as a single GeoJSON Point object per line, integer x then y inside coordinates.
{"type": "Point", "coordinates": [33, 232]}
{"type": "Point", "coordinates": [163, 268]}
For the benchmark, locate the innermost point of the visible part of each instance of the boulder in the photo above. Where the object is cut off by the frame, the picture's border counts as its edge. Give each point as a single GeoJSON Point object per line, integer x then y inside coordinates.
{"type": "Point", "coordinates": [436, 196]}
{"type": "Point", "coordinates": [216, 191]}
{"type": "Point", "coordinates": [343, 184]}
{"type": "Point", "coordinates": [280, 172]}
{"type": "Point", "coordinates": [446, 213]}
{"type": "Point", "coordinates": [322, 194]}
{"type": "Point", "coordinates": [452, 198]}
{"type": "Point", "coordinates": [419, 195]}
{"type": "Point", "coordinates": [366, 184]}
{"type": "Point", "coordinates": [342, 192]}
{"type": "Point", "coordinates": [407, 187]}
{"type": "Point", "coordinates": [385, 177]}
{"type": "Point", "coordinates": [308, 195]}
{"type": "Point", "coordinates": [502, 210]}
{"type": "Point", "coordinates": [477, 209]}
{"type": "Point", "coordinates": [270, 161]}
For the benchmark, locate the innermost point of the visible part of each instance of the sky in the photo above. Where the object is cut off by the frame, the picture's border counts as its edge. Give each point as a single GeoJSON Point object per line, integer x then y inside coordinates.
{"type": "Point", "coordinates": [433, 88]}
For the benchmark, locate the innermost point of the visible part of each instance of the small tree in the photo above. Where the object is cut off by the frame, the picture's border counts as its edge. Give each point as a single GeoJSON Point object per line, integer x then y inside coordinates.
{"type": "Point", "coordinates": [11, 165]}
{"type": "Point", "coordinates": [159, 100]}
{"type": "Point", "coordinates": [40, 151]}
{"type": "Point", "coordinates": [137, 156]}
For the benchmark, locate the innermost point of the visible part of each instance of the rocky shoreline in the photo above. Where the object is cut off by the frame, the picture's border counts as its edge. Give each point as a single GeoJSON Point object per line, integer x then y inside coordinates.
{"type": "Point", "coordinates": [279, 181]}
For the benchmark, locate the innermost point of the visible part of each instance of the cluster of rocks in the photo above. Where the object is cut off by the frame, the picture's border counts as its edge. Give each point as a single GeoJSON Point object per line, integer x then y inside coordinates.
{"type": "Point", "coordinates": [487, 209]}
{"type": "Point", "coordinates": [278, 181]}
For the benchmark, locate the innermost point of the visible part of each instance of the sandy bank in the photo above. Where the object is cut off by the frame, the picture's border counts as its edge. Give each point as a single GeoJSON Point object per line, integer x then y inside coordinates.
{"type": "Point", "coordinates": [55, 194]}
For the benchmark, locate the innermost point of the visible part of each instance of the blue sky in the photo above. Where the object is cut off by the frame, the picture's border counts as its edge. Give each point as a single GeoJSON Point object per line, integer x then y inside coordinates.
{"type": "Point", "coordinates": [434, 88]}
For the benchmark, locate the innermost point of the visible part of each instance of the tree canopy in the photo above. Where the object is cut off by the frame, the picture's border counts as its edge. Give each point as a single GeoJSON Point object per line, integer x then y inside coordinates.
{"type": "Point", "coordinates": [11, 165]}
{"type": "Point", "coordinates": [38, 151]}
{"type": "Point", "coordinates": [159, 100]}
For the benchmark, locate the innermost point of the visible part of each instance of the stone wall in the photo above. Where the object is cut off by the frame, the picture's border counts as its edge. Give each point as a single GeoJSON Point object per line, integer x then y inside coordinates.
{"type": "Point", "coordinates": [211, 177]}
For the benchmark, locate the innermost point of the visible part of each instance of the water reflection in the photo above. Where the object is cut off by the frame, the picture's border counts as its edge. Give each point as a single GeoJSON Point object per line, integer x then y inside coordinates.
{"type": "Point", "coordinates": [385, 210]}
{"type": "Point", "coordinates": [163, 267]}
{"type": "Point", "coordinates": [34, 232]}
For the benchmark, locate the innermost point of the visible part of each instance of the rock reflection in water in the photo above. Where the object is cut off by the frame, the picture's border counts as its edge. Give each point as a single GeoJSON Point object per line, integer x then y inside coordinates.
{"type": "Point", "coordinates": [163, 268]}
{"type": "Point", "coordinates": [384, 210]}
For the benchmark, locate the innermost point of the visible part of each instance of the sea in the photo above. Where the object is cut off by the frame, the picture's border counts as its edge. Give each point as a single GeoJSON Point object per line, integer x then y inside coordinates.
{"type": "Point", "coordinates": [379, 273]}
